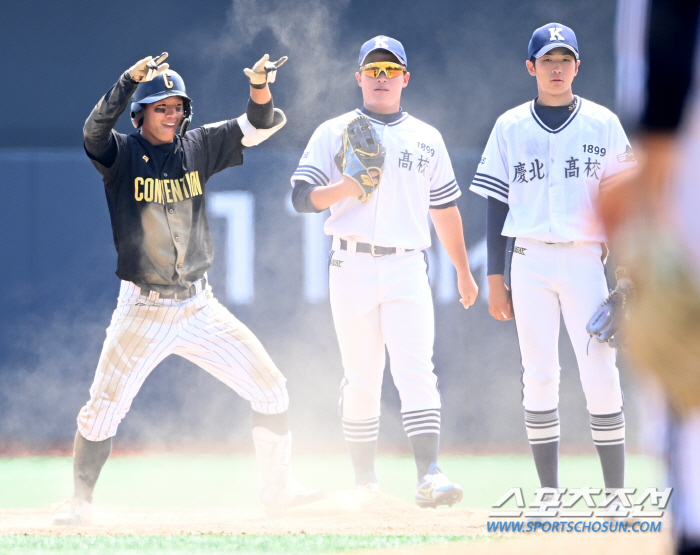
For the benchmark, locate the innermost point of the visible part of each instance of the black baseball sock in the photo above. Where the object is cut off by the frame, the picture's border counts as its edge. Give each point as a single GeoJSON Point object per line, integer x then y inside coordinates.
{"type": "Point", "coordinates": [277, 423]}
{"type": "Point", "coordinates": [362, 456]}
{"type": "Point", "coordinates": [423, 430]}
{"type": "Point", "coordinates": [612, 461]}
{"type": "Point", "coordinates": [543, 434]}
{"type": "Point", "coordinates": [608, 431]}
{"type": "Point", "coordinates": [88, 459]}
{"type": "Point", "coordinates": [546, 457]}
{"type": "Point", "coordinates": [361, 439]}
{"type": "Point", "coordinates": [425, 451]}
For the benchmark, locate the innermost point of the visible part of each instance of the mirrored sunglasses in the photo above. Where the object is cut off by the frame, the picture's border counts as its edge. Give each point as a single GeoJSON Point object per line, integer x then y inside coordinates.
{"type": "Point", "coordinates": [390, 69]}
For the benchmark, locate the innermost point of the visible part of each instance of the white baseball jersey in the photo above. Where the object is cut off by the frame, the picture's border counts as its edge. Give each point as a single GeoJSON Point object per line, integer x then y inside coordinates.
{"type": "Point", "coordinates": [417, 175]}
{"type": "Point", "coordinates": [549, 178]}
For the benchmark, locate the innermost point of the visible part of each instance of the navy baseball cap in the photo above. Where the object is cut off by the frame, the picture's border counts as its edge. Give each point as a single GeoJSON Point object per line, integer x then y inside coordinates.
{"type": "Point", "coordinates": [383, 43]}
{"type": "Point", "coordinates": [550, 36]}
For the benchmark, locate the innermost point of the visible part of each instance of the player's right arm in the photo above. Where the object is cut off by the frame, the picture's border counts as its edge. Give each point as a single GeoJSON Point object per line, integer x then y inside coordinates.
{"type": "Point", "coordinates": [98, 131]}
{"type": "Point", "coordinates": [492, 182]}
{"type": "Point", "coordinates": [323, 197]}
{"type": "Point", "coordinates": [500, 302]}
{"type": "Point", "coordinates": [317, 182]}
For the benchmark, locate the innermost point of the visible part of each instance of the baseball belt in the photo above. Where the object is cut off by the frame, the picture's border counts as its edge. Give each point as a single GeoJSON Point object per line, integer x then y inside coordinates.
{"type": "Point", "coordinates": [374, 250]}
{"type": "Point", "coordinates": [196, 287]}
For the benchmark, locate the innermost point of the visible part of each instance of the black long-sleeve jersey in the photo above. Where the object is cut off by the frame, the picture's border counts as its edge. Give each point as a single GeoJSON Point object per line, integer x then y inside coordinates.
{"type": "Point", "coordinates": [156, 193]}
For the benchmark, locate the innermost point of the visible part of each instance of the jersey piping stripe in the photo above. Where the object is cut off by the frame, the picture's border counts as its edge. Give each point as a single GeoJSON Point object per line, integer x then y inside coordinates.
{"type": "Point", "coordinates": [454, 192]}
{"type": "Point", "coordinates": [316, 175]}
{"type": "Point", "coordinates": [564, 125]}
{"type": "Point", "coordinates": [491, 186]}
{"type": "Point", "coordinates": [450, 191]}
{"type": "Point", "coordinates": [314, 170]}
{"type": "Point", "coordinates": [490, 191]}
{"type": "Point", "coordinates": [486, 178]}
{"type": "Point", "coordinates": [401, 119]}
{"type": "Point", "coordinates": [308, 177]}
{"type": "Point", "coordinates": [451, 185]}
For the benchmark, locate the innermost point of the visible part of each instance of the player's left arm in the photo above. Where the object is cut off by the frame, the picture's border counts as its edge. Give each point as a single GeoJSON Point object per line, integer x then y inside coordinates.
{"type": "Point", "coordinates": [261, 119]}
{"type": "Point", "coordinates": [448, 226]}
{"type": "Point", "coordinates": [223, 142]}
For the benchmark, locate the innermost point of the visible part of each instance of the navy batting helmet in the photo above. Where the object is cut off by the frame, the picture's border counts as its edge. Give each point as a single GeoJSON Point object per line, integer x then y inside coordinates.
{"type": "Point", "coordinates": [168, 83]}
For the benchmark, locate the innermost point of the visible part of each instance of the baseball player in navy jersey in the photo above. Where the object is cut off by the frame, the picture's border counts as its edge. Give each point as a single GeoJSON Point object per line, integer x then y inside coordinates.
{"type": "Point", "coordinates": [543, 167]}
{"type": "Point", "coordinates": [379, 291]}
{"type": "Point", "coordinates": [155, 182]}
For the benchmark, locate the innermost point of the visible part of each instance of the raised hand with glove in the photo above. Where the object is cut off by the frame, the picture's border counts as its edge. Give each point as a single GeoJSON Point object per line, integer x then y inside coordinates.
{"type": "Point", "coordinates": [264, 71]}
{"type": "Point", "coordinates": [148, 68]}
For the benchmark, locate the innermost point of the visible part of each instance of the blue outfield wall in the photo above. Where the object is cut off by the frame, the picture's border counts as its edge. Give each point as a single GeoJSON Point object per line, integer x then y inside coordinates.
{"type": "Point", "coordinates": [59, 290]}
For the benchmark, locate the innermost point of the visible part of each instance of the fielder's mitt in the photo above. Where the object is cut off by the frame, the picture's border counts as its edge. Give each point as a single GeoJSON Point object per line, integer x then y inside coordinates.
{"type": "Point", "coordinates": [362, 156]}
{"type": "Point", "coordinates": [605, 323]}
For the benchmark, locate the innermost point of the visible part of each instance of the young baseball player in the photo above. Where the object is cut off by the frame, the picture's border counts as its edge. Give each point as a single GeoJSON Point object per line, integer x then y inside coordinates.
{"type": "Point", "coordinates": [381, 175]}
{"type": "Point", "coordinates": [543, 167]}
{"type": "Point", "coordinates": [155, 182]}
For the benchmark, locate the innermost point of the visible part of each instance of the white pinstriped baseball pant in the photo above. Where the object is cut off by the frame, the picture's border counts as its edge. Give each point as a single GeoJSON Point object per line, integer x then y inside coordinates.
{"type": "Point", "coordinates": [143, 332]}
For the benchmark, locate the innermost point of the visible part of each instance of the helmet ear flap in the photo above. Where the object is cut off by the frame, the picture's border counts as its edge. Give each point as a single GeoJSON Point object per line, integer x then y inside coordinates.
{"type": "Point", "coordinates": [186, 117]}
{"type": "Point", "coordinates": [136, 114]}
{"type": "Point", "coordinates": [137, 119]}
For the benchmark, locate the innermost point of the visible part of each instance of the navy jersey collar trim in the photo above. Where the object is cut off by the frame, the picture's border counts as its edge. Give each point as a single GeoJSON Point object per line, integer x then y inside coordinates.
{"type": "Point", "coordinates": [383, 119]}
{"type": "Point", "coordinates": [579, 102]}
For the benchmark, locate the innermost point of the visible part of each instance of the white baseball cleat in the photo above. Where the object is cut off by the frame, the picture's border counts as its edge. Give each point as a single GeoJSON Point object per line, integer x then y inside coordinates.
{"type": "Point", "coordinates": [278, 491]}
{"type": "Point", "coordinates": [367, 482]}
{"type": "Point", "coordinates": [436, 489]}
{"type": "Point", "coordinates": [294, 496]}
{"type": "Point", "coordinates": [617, 512]}
{"type": "Point", "coordinates": [73, 512]}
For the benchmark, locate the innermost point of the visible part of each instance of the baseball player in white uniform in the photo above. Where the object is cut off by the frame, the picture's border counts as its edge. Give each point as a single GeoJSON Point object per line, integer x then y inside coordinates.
{"type": "Point", "coordinates": [543, 167]}
{"type": "Point", "coordinates": [379, 291]}
{"type": "Point", "coordinates": [155, 182]}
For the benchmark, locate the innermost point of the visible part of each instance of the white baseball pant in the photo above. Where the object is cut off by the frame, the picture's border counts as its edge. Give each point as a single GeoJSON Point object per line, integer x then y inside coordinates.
{"type": "Point", "coordinates": [378, 302]}
{"type": "Point", "coordinates": [549, 280]}
{"type": "Point", "coordinates": [143, 332]}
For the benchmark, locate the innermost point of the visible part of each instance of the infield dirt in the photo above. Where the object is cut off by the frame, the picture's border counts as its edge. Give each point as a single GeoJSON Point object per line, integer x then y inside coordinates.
{"type": "Point", "coordinates": [349, 512]}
